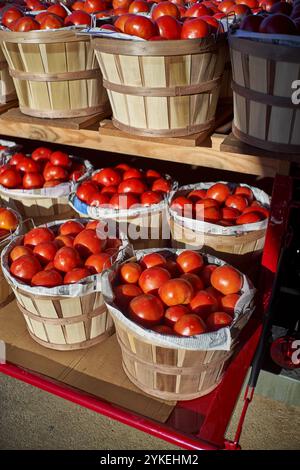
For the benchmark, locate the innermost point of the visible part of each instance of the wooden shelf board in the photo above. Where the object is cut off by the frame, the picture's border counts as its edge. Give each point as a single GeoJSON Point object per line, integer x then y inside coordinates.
{"type": "Point", "coordinates": [207, 154]}
{"type": "Point", "coordinates": [6, 106]}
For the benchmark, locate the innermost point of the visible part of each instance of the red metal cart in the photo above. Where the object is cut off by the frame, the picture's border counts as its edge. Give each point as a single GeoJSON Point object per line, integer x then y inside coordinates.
{"type": "Point", "coordinates": [201, 423]}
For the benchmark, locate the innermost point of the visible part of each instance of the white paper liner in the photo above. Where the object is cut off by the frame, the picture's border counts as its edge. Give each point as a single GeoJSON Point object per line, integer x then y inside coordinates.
{"type": "Point", "coordinates": [86, 286]}
{"type": "Point", "coordinates": [220, 340]}
{"type": "Point", "coordinates": [10, 146]}
{"type": "Point", "coordinates": [60, 190]}
{"type": "Point", "coordinates": [206, 227]}
{"type": "Point", "coordinates": [108, 213]}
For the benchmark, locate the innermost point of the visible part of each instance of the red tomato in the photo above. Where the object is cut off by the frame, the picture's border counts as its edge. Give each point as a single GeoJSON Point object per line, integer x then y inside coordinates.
{"type": "Point", "coordinates": [123, 201]}
{"type": "Point", "coordinates": [107, 177]}
{"type": "Point", "coordinates": [53, 172]}
{"type": "Point", "coordinates": [150, 197]}
{"type": "Point", "coordinates": [98, 200]}
{"type": "Point", "coordinates": [203, 303]}
{"type": "Point", "coordinates": [75, 175]}
{"type": "Point", "coordinates": [169, 27]}
{"type": "Point", "coordinates": [77, 5]}
{"type": "Point", "coordinates": [267, 4]}
{"type": "Point", "coordinates": [214, 24]}
{"type": "Point", "coordinates": [132, 173]}
{"type": "Point", "coordinates": [19, 251]}
{"type": "Point", "coordinates": [51, 22]}
{"type": "Point", "coordinates": [250, 3]}
{"type": "Point", "coordinates": [165, 8]}
{"type": "Point", "coordinates": [52, 183]}
{"type": "Point", "coordinates": [122, 167]}
{"type": "Point", "coordinates": [85, 190]}
{"type": "Point", "coordinates": [251, 23]}
{"type": "Point", "coordinates": [78, 18]}
{"type": "Point", "coordinates": [38, 235]}
{"type": "Point", "coordinates": [71, 227]}
{"type": "Point", "coordinates": [60, 159]}
{"type": "Point", "coordinates": [140, 26]}
{"type": "Point", "coordinates": [88, 243]}
{"type": "Point", "coordinates": [197, 10]}
{"type": "Point", "coordinates": [278, 24]}
{"type": "Point", "coordinates": [109, 190]}
{"type": "Point", "coordinates": [130, 272]}
{"type": "Point", "coordinates": [92, 225]}
{"type": "Point", "coordinates": [97, 263]}
{"type": "Point", "coordinates": [33, 181]}
{"type": "Point", "coordinates": [190, 261]}
{"type": "Point", "coordinates": [194, 280]}
{"type": "Point", "coordinates": [241, 10]}
{"type": "Point", "coordinates": [258, 209]}
{"type": "Point", "coordinates": [217, 320]}
{"type": "Point", "coordinates": [64, 240]}
{"type": "Point", "coordinates": [134, 186]}
{"type": "Point", "coordinates": [25, 24]}
{"type": "Point", "coordinates": [226, 6]}
{"type": "Point", "coordinates": [49, 278]}
{"type": "Point", "coordinates": [66, 258]}
{"type": "Point", "coordinates": [226, 279]}
{"type": "Point", "coordinates": [195, 28]}
{"type": "Point", "coordinates": [153, 259]}
{"type": "Point", "coordinates": [189, 325]}
{"type": "Point", "coordinates": [216, 294]}
{"type": "Point", "coordinates": [228, 303]}
{"type": "Point", "coordinates": [207, 203]}
{"type": "Point", "coordinates": [219, 192]}
{"type": "Point", "coordinates": [146, 309]}
{"type": "Point", "coordinates": [122, 20]}
{"type": "Point", "coordinates": [227, 213]}
{"type": "Point", "coordinates": [41, 154]}
{"type": "Point", "coordinates": [41, 16]}
{"type": "Point", "coordinates": [172, 267]}
{"type": "Point", "coordinates": [93, 6]}
{"type": "Point", "coordinates": [25, 267]}
{"type": "Point", "coordinates": [152, 278]}
{"type": "Point", "coordinates": [76, 275]}
{"type": "Point", "coordinates": [163, 329]}
{"type": "Point", "coordinates": [182, 206]}
{"type": "Point", "coordinates": [176, 291]}
{"type": "Point", "coordinates": [245, 192]}
{"type": "Point", "coordinates": [172, 314]}
{"type": "Point", "coordinates": [10, 178]}
{"type": "Point", "coordinates": [27, 165]}
{"type": "Point", "coordinates": [250, 218]}
{"type": "Point", "coordinates": [8, 220]}
{"type": "Point", "coordinates": [10, 16]}
{"type": "Point", "coordinates": [236, 202]}
{"type": "Point", "coordinates": [58, 10]}
{"type": "Point", "coordinates": [121, 4]}
{"type": "Point", "coordinates": [45, 252]}
{"type": "Point", "coordinates": [16, 159]}
{"type": "Point", "coordinates": [206, 273]}
{"type": "Point", "coordinates": [161, 185]}
{"type": "Point", "coordinates": [197, 194]}
{"type": "Point", "coordinates": [124, 293]}
{"type": "Point", "coordinates": [49, 266]}
{"type": "Point", "coordinates": [139, 6]}
{"type": "Point", "coordinates": [212, 215]}
{"type": "Point", "coordinates": [152, 175]}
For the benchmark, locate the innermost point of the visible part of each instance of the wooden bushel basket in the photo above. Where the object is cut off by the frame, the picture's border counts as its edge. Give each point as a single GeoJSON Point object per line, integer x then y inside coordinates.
{"type": "Point", "coordinates": [55, 73]}
{"type": "Point", "coordinates": [7, 88]}
{"type": "Point", "coordinates": [62, 322]}
{"type": "Point", "coordinates": [173, 372]}
{"type": "Point", "coordinates": [162, 88]}
{"type": "Point", "coordinates": [226, 93]}
{"type": "Point", "coordinates": [264, 114]}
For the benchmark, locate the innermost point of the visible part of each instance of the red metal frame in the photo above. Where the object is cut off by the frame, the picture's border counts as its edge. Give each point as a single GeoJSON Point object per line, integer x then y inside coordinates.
{"type": "Point", "coordinates": [198, 424]}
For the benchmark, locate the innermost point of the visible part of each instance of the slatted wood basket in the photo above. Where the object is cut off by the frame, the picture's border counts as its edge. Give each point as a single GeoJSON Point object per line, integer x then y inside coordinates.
{"type": "Point", "coordinates": [263, 74]}
{"type": "Point", "coordinates": [55, 73]}
{"type": "Point", "coordinates": [175, 368]}
{"type": "Point", "coordinates": [7, 88]}
{"type": "Point", "coordinates": [75, 317]}
{"type": "Point", "coordinates": [162, 88]}
{"type": "Point", "coordinates": [242, 249]}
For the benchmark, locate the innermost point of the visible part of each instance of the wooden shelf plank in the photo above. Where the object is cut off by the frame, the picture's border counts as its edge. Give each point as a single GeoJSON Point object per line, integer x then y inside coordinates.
{"type": "Point", "coordinates": [208, 154]}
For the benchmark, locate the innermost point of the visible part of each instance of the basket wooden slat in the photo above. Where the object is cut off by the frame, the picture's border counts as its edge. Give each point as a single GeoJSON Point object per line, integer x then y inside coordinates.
{"type": "Point", "coordinates": [55, 74]}
{"type": "Point", "coordinates": [169, 89]}
{"type": "Point", "coordinates": [7, 88]}
{"type": "Point", "coordinates": [264, 114]}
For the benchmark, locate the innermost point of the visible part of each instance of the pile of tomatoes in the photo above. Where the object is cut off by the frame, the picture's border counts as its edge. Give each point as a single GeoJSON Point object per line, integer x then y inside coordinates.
{"type": "Point", "coordinates": [8, 222]}
{"type": "Point", "coordinates": [178, 295]}
{"type": "Point", "coordinates": [42, 169]}
{"type": "Point", "coordinates": [282, 18]}
{"type": "Point", "coordinates": [122, 187]}
{"type": "Point", "coordinates": [219, 205]}
{"type": "Point", "coordinates": [51, 257]}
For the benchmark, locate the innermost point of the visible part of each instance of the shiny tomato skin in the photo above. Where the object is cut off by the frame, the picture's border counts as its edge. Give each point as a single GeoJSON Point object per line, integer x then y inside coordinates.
{"type": "Point", "coordinates": [182, 206]}
{"type": "Point", "coordinates": [19, 251]}
{"type": "Point", "coordinates": [226, 279]}
{"type": "Point", "coordinates": [265, 213]}
{"type": "Point", "coordinates": [197, 194]}
{"type": "Point", "coordinates": [190, 261]}
{"type": "Point", "coordinates": [153, 259]}
{"type": "Point", "coordinates": [176, 291]}
{"type": "Point", "coordinates": [41, 154]}
{"type": "Point", "coordinates": [132, 173]}
{"type": "Point", "coordinates": [194, 280]}
{"type": "Point", "coordinates": [78, 18]}
{"type": "Point", "coordinates": [196, 11]}
{"type": "Point", "coordinates": [122, 167]}
{"type": "Point", "coordinates": [228, 303]}
{"type": "Point", "coordinates": [151, 279]}
{"type": "Point", "coordinates": [59, 158]}
{"type": "Point", "coordinates": [71, 227]}
{"type": "Point", "coordinates": [206, 273]}
{"type": "Point", "coordinates": [236, 202]}
{"type": "Point", "coordinates": [98, 199]}
{"type": "Point", "coordinates": [203, 303]}
{"type": "Point", "coordinates": [25, 267]}
{"type": "Point", "coordinates": [189, 325]}
{"type": "Point", "coordinates": [124, 293]}
{"type": "Point", "coordinates": [10, 16]}
{"type": "Point", "coordinates": [16, 159]}
{"type": "Point", "coordinates": [165, 8]}
{"type": "Point", "coordinates": [169, 27]}
{"type": "Point", "coordinates": [54, 172]}
{"type": "Point", "coordinates": [51, 22]}
{"type": "Point", "coordinates": [148, 198]}
{"type": "Point", "coordinates": [123, 201]}
{"type": "Point", "coordinates": [134, 186]}
{"type": "Point", "coordinates": [121, 21]}
{"type": "Point", "coordinates": [57, 10]}
{"type": "Point", "coordinates": [217, 320]}
{"type": "Point", "coordinates": [10, 178]}
{"type": "Point", "coordinates": [76, 275]}
{"type": "Point", "coordinates": [152, 175]}
{"type": "Point", "coordinates": [146, 309]}
{"type": "Point", "coordinates": [226, 6]}
{"type": "Point", "coordinates": [66, 258]}
{"type": "Point", "coordinates": [98, 263]}
{"type": "Point", "coordinates": [8, 220]}
{"type": "Point", "coordinates": [130, 272]}
{"type": "Point", "coordinates": [85, 190]}
{"type": "Point", "coordinates": [38, 235]}
{"type": "Point", "coordinates": [230, 214]}
{"type": "Point", "coordinates": [45, 252]}
{"type": "Point", "coordinates": [49, 278]}
{"type": "Point", "coordinates": [219, 192]}
{"type": "Point", "coordinates": [27, 165]}
{"type": "Point", "coordinates": [25, 24]}
{"type": "Point", "coordinates": [172, 314]}
{"type": "Point", "coordinates": [52, 183]}
{"type": "Point", "coordinates": [121, 4]}
{"type": "Point", "coordinates": [140, 26]}
{"type": "Point", "coordinates": [33, 181]}
{"type": "Point", "coordinates": [93, 6]}
{"type": "Point", "coordinates": [161, 185]}
{"type": "Point", "coordinates": [138, 6]}
{"type": "Point", "coordinates": [195, 28]}
{"type": "Point", "coordinates": [107, 177]}
{"type": "Point", "coordinates": [88, 243]}
{"type": "Point", "coordinates": [109, 190]}
{"type": "Point", "coordinates": [250, 218]}
{"type": "Point", "coordinates": [245, 192]}
{"type": "Point", "coordinates": [164, 330]}
{"type": "Point", "coordinates": [215, 25]}
{"type": "Point", "coordinates": [64, 240]}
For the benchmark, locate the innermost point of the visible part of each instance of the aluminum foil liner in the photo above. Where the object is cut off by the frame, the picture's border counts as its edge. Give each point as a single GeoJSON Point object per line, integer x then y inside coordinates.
{"type": "Point", "coordinates": [218, 340]}
{"type": "Point", "coordinates": [206, 227]}
{"type": "Point", "coordinates": [60, 190]}
{"type": "Point", "coordinates": [86, 286]}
